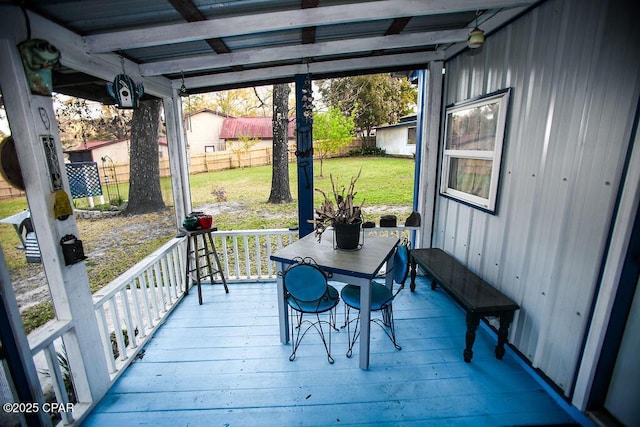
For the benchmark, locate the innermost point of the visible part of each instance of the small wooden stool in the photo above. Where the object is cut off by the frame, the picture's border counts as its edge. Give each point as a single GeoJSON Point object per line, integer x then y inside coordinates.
{"type": "Point", "coordinates": [204, 267]}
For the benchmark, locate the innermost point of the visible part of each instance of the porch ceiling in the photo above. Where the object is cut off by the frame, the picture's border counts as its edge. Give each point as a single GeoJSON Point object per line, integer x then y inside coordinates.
{"type": "Point", "coordinates": [221, 44]}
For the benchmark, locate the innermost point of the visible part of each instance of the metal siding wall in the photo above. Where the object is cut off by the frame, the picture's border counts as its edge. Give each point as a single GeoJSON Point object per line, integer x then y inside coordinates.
{"type": "Point", "coordinates": [574, 68]}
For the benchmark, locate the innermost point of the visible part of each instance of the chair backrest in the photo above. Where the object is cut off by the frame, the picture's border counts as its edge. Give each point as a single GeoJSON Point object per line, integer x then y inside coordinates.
{"type": "Point", "coordinates": [305, 282]}
{"type": "Point", "coordinates": [401, 264]}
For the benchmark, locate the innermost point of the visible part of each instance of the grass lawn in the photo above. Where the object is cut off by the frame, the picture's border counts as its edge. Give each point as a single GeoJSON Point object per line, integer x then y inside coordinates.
{"type": "Point", "coordinates": [383, 181]}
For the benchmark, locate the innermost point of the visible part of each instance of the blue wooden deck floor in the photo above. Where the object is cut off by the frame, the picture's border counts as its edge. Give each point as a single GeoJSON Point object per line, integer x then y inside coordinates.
{"type": "Point", "coordinates": [222, 364]}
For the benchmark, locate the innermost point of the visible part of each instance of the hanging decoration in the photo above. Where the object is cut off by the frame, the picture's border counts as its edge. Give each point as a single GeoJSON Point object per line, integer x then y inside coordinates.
{"type": "Point", "coordinates": [61, 205]}
{"type": "Point", "coordinates": [307, 99]}
{"type": "Point", "coordinates": [184, 92]}
{"type": "Point", "coordinates": [38, 58]}
{"type": "Point", "coordinates": [125, 91]}
{"type": "Point", "coordinates": [304, 123]}
{"type": "Point", "coordinates": [50, 153]}
{"type": "Point", "coordinates": [183, 88]}
{"type": "Point", "coordinates": [476, 36]}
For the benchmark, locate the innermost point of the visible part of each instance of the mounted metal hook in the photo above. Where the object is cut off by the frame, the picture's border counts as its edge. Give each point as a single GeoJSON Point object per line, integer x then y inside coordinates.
{"type": "Point", "coordinates": [183, 88]}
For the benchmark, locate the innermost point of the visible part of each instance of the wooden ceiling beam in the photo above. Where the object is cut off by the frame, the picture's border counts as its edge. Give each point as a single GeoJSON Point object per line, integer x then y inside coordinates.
{"type": "Point", "coordinates": [328, 68]}
{"type": "Point", "coordinates": [191, 13]}
{"type": "Point", "coordinates": [286, 20]}
{"type": "Point", "coordinates": [249, 57]}
{"type": "Point", "coordinates": [309, 33]}
{"type": "Point", "coordinates": [397, 26]}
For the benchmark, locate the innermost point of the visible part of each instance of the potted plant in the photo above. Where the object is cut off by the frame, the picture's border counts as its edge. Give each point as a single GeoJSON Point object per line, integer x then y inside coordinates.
{"type": "Point", "coordinates": [342, 213]}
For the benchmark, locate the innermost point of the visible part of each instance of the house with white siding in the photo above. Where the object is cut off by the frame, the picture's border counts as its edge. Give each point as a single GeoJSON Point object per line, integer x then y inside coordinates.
{"type": "Point", "coordinates": [398, 139]}
{"type": "Point", "coordinates": [203, 130]}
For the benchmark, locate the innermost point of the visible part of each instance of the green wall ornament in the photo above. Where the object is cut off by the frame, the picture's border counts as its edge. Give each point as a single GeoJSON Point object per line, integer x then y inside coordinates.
{"type": "Point", "coordinates": [38, 58]}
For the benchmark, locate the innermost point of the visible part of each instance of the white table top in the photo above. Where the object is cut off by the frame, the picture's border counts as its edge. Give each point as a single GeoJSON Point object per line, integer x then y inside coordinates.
{"type": "Point", "coordinates": [365, 262]}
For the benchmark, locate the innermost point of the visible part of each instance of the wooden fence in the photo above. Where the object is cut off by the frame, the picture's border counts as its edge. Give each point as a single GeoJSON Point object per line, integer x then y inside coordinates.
{"type": "Point", "coordinates": [199, 163]}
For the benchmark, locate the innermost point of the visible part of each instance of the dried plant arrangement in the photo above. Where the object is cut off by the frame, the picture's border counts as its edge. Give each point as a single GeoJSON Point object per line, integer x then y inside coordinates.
{"type": "Point", "coordinates": [340, 209]}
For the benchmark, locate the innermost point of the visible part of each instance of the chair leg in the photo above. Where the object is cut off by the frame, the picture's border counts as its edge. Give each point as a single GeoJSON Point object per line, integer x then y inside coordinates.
{"type": "Point", "coordinates": [297, 334]}
{"type": "Point", "coordinates": [295, 337]}
{"type": "Point", "coordinates": [356, 333]}
{"type": "Point", "coordinates": [387, 324]}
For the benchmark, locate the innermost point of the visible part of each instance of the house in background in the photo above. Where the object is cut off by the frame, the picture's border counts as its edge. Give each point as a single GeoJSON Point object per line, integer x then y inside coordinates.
{"type": "Point", "coordinates": [209, 131]}
{"type": "Point", "coordinates": [202, 130]}
{"type": "Point", "coordinates": [398, 139]}
{"type": "Point", "coordinates": [117, 150]}
{"type": "Point", "coordinates": [260, 128]}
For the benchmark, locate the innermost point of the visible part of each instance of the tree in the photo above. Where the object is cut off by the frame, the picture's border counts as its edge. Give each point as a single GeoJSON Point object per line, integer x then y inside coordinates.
{"type": "Point", "coordinates": [144, 169]}
{"type": "Point", "coordinates": [114, 123]}
{"type": "Point", "coordinates": [372, 100]}
{"type": "Point", "coordinates": [244, 102]}
{"type": "Point", "coordinates": [242, 146]}
{"type": "Point", "coordinates": [280, 190]}
{"type": "Point", "coordinates": [332, 131]}
{"type": "Point", "coordinates": [80, 121]}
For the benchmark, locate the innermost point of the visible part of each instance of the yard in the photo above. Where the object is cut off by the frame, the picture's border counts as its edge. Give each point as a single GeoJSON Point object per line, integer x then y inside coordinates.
{"type": "Point", "coordinates": [236, 198]}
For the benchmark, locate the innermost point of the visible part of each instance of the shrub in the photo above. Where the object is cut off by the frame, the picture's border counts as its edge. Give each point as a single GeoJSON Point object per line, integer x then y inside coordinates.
{"type": "Point", "coordinates": [368, 151]}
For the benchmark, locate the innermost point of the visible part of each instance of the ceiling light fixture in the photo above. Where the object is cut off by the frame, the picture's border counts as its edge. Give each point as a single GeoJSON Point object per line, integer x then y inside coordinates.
{"type": "Point", "coordinates": [476, 36]}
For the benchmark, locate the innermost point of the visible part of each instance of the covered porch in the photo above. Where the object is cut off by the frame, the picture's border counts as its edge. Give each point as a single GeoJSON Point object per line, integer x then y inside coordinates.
{"type": "Point", "coordinates": [561, 238]}
{"type": "Point", "coordinates": [222, 363]}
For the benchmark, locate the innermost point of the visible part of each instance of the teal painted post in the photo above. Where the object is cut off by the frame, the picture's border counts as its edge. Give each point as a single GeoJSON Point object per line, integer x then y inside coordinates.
{"type": "Point", "coordinates": [304, 153]}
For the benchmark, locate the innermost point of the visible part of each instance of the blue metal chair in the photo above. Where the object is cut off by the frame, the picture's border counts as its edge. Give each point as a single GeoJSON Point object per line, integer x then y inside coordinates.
{"type": "Point", "coordinates": [381, 299]}
{"type": "Point", "coordinates": [308, 293]}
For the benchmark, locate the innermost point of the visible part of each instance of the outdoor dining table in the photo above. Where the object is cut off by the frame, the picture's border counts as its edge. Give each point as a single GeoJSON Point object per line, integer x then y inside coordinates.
{"type": "Point", "coordinates": [357, 267]}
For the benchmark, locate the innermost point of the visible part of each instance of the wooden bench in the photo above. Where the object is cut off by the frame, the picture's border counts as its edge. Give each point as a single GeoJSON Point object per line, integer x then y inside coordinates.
{"type": "Point", "coordinates": [478, 297]}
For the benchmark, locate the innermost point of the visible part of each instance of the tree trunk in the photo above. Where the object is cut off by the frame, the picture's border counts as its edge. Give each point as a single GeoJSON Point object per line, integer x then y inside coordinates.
{"type": "Point", "coordinates": [280, 190]}
{"type": "Point", "coordinates": [144, 168]}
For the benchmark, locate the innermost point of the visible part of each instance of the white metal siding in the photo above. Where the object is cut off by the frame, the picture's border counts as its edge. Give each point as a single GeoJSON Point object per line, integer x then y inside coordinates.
{"type": "Point", "coordinates": [575, 72]}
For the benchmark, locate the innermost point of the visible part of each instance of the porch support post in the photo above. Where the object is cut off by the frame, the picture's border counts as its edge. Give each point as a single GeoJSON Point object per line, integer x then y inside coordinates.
{"type": "Point", "coordinates": [429, 109]}
{"type": "Point", "coordinates": [23, 370]}
{"type": "Point", "coordinates": [32, 117]}
{"type": "Point", "coordinates": [304, 156]}
{"type": "Point", "coordinates": [178, 157]}
{"type": "Point", "coordinates": [590, 385]}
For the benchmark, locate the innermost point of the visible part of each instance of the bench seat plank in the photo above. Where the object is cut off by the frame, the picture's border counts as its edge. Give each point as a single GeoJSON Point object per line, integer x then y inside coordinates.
{"type": "Point", "coordinates": [474, 294]}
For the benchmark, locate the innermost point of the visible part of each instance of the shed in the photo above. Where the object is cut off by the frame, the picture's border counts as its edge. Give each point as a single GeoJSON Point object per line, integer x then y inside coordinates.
{"type": "Point", "coordinates": [398, 139]}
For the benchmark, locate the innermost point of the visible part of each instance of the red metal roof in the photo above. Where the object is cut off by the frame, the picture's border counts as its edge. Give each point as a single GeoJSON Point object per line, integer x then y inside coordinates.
{"type": "Point", "coordinates": [252, 127]}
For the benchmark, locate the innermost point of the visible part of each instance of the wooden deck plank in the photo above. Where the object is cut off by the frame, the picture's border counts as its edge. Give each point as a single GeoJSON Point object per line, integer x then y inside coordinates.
{"type": "Point", "coordinates": [222, 364]}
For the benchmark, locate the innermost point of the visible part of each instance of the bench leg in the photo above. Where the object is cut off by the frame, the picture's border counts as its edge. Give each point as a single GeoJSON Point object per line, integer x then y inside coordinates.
{"type": "Point", "coordinates": [503, 333]}
{"type": "Point", "coordinates": [473, 320]}
{"type": "Point", "coordinates": [413, 275]}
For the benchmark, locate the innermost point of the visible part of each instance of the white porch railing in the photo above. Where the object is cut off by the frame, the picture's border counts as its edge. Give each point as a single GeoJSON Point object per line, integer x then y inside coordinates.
{"type": "Point", "coordinates": [141, 298]}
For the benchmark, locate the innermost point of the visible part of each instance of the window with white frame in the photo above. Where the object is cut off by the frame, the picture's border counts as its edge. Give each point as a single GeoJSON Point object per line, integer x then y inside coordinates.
{"type": "Point", "coordinates": [472, 153]}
